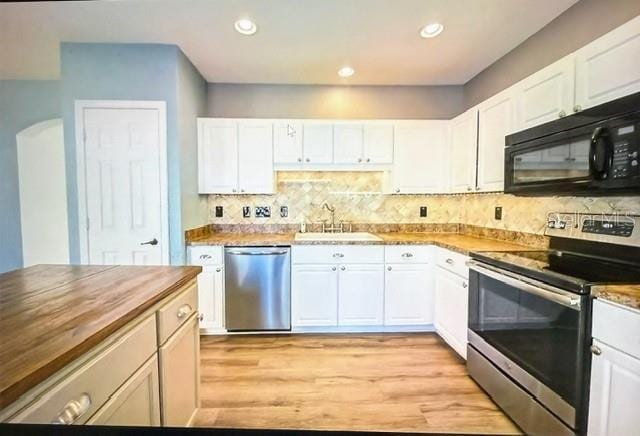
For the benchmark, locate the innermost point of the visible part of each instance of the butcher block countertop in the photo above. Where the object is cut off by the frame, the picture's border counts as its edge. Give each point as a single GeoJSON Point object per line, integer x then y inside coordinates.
{"type": "Point", "coordinates": [52, 314]}
{"type": "Point", "coordinates": [453, 241]}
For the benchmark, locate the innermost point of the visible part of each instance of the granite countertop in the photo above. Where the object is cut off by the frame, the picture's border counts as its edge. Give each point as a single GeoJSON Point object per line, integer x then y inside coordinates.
{"type": "Point", "coordinates": [626, 295]}
{"type": "Point", "coordinates": [453, 241]}
{"type": "Point", "coordinates": [52, 314]}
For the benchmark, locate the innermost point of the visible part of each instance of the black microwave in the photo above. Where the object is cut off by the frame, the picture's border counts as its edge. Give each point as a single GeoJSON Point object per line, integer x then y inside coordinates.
{"type": "Point", "coordinates": [595, 152]}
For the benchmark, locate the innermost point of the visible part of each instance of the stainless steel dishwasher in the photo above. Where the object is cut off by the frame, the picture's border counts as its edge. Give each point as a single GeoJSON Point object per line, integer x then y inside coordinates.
{"type": "Point", "coordinates": [257, 288]}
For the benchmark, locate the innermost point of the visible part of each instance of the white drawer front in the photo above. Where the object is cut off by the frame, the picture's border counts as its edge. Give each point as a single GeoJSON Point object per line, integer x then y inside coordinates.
{"type": "Point", "coordinates": [338, 254]}
{"type": "Point", "coordinates": [206, 255]}
{"type": "Point", "coordinates": [400, 254]}
{"type": "Point", "coordinates": [91, 385]}
{"type": "Point", "coordinates": [173, 314]}
{"type": "Point", "coordinates": [617, 326]}
{"type": "Point", "coordinates": [453, 262]}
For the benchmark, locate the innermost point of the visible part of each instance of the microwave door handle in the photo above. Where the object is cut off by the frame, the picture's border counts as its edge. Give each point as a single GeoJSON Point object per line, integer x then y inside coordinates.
{"type": "Point", "coordinates": [530, 286]}
{"type": "Point", "coordinates": [599, 166]}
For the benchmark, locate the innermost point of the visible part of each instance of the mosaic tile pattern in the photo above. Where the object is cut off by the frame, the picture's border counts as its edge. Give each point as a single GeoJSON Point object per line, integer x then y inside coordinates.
{"type": "Point", "coordinates": [358, 197]}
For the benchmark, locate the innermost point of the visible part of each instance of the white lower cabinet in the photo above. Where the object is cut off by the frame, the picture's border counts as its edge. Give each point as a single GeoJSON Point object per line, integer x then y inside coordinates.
{"type": "Point", "coordinates": [211, 297]}
{"type": "Point", "coordinates": [180, 375]}
{"type": "Point", "coordinates": [361, 295]}
{"type": "Point", "coordinates": [452, 309]}
{"type": "Point", "coordinates": [314, 295]}
{"type": "Point", "coordinates": [408, 295]}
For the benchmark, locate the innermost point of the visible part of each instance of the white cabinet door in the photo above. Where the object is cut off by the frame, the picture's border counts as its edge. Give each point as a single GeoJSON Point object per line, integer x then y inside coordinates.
{"type": "Point", "coordinates": [546, 95]}
{"type": "Point", "coordinates": [361, 295]}
{"type": "Point", "coordinates": [408, 295]}
{"type": "Point", "coordinates": [318, 143]}
{"type": "Point", "coordinates": [451, 309]}
{"type": "Point", "coordinates": [211, 297]}
{"type": "Point", "coordinates": [419, 152]}
{"type": "Point", "coordinates": [255, 157]}
{"type": "Point", "coordinates": [314, 295]}
{"type": "Point", "coordinates": [464, 139]}
{"type": "Point", "coordinates": [614, 394]}
{"type": "Point", "coordinates": [609, 67]}
{"type": "Point", "coordinates": [136, 402]}
{"type": "Point", "coordinates": [217, 157]}
{"type": "Point", "coordinates": [495, 121]}
{"type": "Point", "coordinates": [180, 375]}
{"type": "Point", "coordinates": [378, 143]}
{"type": "Point", "coordinates": [347, 143]}
{"type": "Point", "coordinates": [287, 142]}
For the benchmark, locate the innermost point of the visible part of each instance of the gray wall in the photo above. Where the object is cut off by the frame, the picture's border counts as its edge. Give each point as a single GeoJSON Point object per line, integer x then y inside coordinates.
{"type": "Point", "coordinates": [319, 101]}
{"type": "Point", "coordinates": [22, 104]}
{"type": "Point", "coordinates": [576, 27]}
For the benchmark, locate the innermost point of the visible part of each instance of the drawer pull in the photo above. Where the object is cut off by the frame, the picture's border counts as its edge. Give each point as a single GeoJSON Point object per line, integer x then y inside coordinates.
{"type": "Point", "coordinates": [407, 254]}
{"type": "Point", "coordinates": [184, 311]}
{"type": "Point", "coordinates": [449, 261]}
{"type": "Point", "coordinates": [338, 255]}
{"type": "Point", "coordinates": [73, 410]}
{"type": "Point", "coordinates": [205, 256]}
{"type": "Point", "coordinates": [596, 350]}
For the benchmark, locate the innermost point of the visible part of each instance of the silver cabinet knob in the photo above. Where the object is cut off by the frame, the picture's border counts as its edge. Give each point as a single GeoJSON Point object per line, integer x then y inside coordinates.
{"type": "Point", "coordinates": [184, 311]}
{"type": "Point", "coordinates": [299, 159]}
{"type": "Point", "coordinates": [73, 410]}
{"type": "Point", "coordinates": [368, 159]}
{"type": "Point", "coordinates": [242, 190]}
{"type": "Point", "coordinates": [333, 268]}
{"type": "Point", "coordinates": [338, 255]}
{"type": "Point", "coordinates": [577, 108]}
{"type": "Point", "coordinates": [389, 268]}
{"type": "Point", "coordinates": [562, 114]}
{"type": "Point", "coordinates": [449, 261]}
{"type": "Point", "coordinates": [308, 160]}
{"type": "Point", "coordinates": [407, 254]}
{"type": "Point", "coordinates": [397, 190]}
{"type": "Point", "coordinates": [342, 268]}
{"type": "Point", "coordinates": [218, 269]}
{"type": "Point", "coordinates": [234, 190]}
{"type": "Point", "coordinates": [596, 350]}
{"type": "Point", "coordinates": [465, 285]}
{"type": "Point", "coordinates": [359, 159]}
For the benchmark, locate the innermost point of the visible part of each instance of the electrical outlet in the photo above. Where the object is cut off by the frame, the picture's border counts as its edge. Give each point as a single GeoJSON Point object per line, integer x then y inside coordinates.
{"type": "Point", "coordinates": [219, 211]}
{"type": "Point", "coordinates": [423, 211]}
{"type": "Point", "coordinates": [498, 213]}
{"type": "Point", "coordinates": [263, 211]}
{"type": "Point", "coordinates": [246, 212]}
{"type": "Point", "coordinates": [284, 211]}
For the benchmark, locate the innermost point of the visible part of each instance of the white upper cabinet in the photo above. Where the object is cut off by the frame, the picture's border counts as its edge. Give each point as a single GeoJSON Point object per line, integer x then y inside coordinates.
{"type": "Point", "coordinates": [217, 156]}
{"type": "Point", "coordinates": [462, 153]}
{"type": "Point", "coordinates": [419, 152]}
{"type": "Point", "coordinates": [496, 119]}
{"type": "Point", "coordinates": [287, 142]}
{"type": "Point", "coordinates": [235, 156]}
{"type": "Point", "coordinates": [378, 143]}
{"type": "Point", "coordinates": [546, 95]}
{"type": "Point", "coordinates": [255, 163]}
{"type": "Point", "coordinates": [318, 142]}
{"type": "Point", "coordinates": [609, 67]}
{"type": "Point", "coordinates": [347, 143]}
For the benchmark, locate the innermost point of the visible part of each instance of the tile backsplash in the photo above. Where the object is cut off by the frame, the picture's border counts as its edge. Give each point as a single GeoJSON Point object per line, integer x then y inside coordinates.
{"type": "Point", "coordinates": [358, 197]}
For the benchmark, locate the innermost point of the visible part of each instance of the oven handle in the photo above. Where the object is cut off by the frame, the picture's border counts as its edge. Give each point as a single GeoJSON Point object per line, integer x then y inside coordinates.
{"type": "Point", "coordinates": [528, 285]}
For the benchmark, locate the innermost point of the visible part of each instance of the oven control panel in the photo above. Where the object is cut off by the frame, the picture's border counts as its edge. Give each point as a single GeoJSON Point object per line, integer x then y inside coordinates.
{"type": "Point", "coordinates": [613, 228]}
{"type": "Point", "coordinates": [608, 227]}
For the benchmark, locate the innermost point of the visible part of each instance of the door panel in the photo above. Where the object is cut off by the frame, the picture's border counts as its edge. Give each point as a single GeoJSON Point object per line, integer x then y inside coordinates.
{"type": "Point", "coordinates": [378, 144]}
{"type": "Point", "coordinates": [217, 157]}
{"type": "Point", "coordinates": [318, 143]}
{"type": "Point", "coordinates": [347, 143]}
{"type": "Point", "coordinates": [123, 179]}
{"type": "Point", "coordinates": [314, 295]}
{"type": "Point", "coordinates": [451, 303]}
{"type": "Point", "coordinates": [255, 158]}
{"type": "Point", "coordinates": [361, 295]}
{"type": "Point", "coordinates": [287, 143]}
{"type": "Point", "coordinates": [408, 295]}
{"type": "Point", "coordinates": [464, 139]}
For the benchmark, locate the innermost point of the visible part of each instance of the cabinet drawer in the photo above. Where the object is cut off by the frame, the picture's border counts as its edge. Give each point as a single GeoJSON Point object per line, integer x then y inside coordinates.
{"type": "Point", "coordinates": [173, 314]}
{"type": "Point", "coordinates": [91, 385]}
{"type": "Point", "coordinates": [205, 255]}
{"type": "Point", "coordinates": [400, 254]}
{"type": "Point", "coordinates": [340, 254]}
{"type": "Point", "coordinates": [614, 325]}
{"type": "Point", "coordinates": [453, 262]}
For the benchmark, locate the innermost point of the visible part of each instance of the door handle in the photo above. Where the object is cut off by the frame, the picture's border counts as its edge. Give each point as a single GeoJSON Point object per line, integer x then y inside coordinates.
{"type": "Point", "coordinates": [154, 241]}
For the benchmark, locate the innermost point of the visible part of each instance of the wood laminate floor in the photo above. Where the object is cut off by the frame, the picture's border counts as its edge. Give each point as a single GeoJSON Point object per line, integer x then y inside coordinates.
{"type": "Point", "coordinates": [391, 382]}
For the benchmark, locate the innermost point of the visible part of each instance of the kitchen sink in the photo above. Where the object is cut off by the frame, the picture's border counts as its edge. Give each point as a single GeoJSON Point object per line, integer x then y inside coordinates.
{"type": "Point", "coordinates": [348, 236]}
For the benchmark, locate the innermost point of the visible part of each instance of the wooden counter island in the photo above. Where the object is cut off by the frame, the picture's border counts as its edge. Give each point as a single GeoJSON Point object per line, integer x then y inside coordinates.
{"type": "Point", "coordinates": [115, 345]}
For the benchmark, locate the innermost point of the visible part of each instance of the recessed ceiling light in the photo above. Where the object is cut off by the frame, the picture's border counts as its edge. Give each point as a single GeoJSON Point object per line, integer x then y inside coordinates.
{"type": "Point", "coordinates": [431, 30]}
{"type": "Point", "coordinates": [246, 26]}
{"type": "Point", "coordinates": [346, 72]}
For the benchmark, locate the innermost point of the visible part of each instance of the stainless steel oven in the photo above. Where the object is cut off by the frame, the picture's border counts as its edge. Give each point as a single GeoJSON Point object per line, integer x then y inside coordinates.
{"type": "Point", "coordinates": [595, 152]}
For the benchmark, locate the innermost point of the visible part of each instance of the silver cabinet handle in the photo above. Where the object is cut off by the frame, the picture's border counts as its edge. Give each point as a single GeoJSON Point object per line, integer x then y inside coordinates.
{"type": "Point", "coordinates": [449, 261]}
{"type": "Point", "coordinates": [562, 114]}
{"type": "Point", "coordinates": [595, 350]}
{"type": "Point", "coordinates": [343, 268]}
{"type": "Point", "coordinates": [218, 269]}
{"type": "Point", "coordinates": [73, 410]}
{"type": "Point", "coordinates": [407, 255]}
{"type": "Point", "coordinates": [368, 159]}
{"type": "Point", "coordinates": [338, 255]}
{"type": "Point", "coordinates": [201, 317]}
{"type": "Point", "coordinates": [333, 268]}
{"type": "Point", "coordinates": [577, 108]}
{"type": "Point", "coordinates": [184, 310]}
{"type": "Point", "coordinates": [205, 256]}
{"type": "Point", "coordinates": [389, 268]}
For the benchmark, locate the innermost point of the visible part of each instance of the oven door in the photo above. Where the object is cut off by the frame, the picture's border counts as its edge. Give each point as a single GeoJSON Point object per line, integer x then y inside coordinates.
{"type": "Point", "coordinates": [533, 332]}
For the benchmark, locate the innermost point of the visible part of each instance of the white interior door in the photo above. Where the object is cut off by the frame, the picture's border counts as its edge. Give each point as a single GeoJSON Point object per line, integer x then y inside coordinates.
{"type": "Point", "coordinates": [123, 168]}
{"type": "Point", "coordinates": [43, 187]}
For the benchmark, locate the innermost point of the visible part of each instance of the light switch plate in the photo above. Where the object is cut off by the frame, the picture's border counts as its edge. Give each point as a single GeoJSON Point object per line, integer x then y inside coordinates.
{"type": "Point", "coordinates": [284, 211]}
{"type": "Point", "coordinates": [498, 213]}
{"type": "Point", "coordinates": [423, 211]}
{"type": "Point", "coordinates": [246, 212]}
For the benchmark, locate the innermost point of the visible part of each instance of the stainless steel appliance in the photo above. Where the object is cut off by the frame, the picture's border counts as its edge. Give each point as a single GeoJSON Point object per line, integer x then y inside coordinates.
{"type": "Point", "coordinates": [593, 152]}
{"type": "Point", "coordinates": [257, 288]}
{"type": "Point", "coordinates": [530, 318]}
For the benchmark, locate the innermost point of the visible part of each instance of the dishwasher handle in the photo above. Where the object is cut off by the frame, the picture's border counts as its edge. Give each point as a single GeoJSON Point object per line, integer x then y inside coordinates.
{"type": "Point", "coordinates": [257, 253]}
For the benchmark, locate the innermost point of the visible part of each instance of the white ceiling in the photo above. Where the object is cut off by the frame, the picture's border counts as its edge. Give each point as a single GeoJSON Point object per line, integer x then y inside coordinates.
{"type": "Point", "coordinates": [298, 41]}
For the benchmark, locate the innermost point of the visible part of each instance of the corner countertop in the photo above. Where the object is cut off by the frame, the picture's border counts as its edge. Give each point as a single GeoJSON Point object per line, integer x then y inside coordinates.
{"type": "Point", "coordinates": [52, 314]}
{"type": "Point", "coordinates": [626, 295]}
{"type": "Point", "coordinates": [453, 241]}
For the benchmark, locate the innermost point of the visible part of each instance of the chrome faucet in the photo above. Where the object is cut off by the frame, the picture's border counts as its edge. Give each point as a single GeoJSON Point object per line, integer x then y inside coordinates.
{"type": "Point", "coordinates": [333, 228]}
